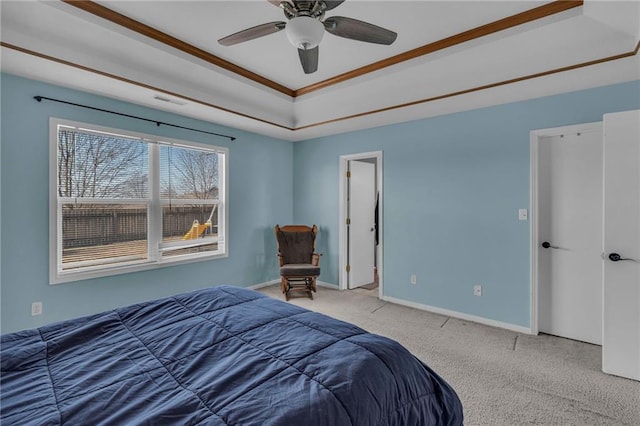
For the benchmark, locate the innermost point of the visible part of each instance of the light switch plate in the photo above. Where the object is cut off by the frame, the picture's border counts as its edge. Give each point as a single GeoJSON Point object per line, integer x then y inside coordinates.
{"type": "Point", "coordinates": [523, 214]}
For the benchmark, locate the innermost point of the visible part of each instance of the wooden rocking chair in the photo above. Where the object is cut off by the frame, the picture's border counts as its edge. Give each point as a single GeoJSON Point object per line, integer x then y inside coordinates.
{"type": "Point", "coordinates": [299, 263]}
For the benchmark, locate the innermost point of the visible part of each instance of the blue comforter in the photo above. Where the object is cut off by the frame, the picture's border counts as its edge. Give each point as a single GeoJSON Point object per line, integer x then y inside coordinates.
{"type": "Point", "coordinates": [218, 356]}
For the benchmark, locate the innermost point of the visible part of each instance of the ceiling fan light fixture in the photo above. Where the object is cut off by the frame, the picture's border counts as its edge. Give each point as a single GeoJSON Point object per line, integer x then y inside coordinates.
{"type": "Point", "coordinates": [304, 32]}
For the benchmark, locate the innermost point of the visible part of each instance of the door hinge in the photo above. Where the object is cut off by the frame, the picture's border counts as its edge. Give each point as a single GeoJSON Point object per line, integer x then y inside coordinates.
{"type": "Point", "coordinates": [348, 221]}
{"type": "Point", "coordinates": [348, 268]}
{"type": "Point", "coordinates": [348, 174]}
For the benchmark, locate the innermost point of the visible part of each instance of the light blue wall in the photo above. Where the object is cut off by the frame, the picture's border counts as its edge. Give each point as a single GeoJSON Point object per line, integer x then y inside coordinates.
{"type": "Point", "coordinates": [452, 189]}
{"type": "Point", "coordinates": [453, 185]}
{"type": "Point", "coordinates": [260, 195]}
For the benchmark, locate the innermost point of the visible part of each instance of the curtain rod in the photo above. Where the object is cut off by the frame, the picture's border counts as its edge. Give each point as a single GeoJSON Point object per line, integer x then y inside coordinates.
{"type": "Point", "coordinates": [158, 123]}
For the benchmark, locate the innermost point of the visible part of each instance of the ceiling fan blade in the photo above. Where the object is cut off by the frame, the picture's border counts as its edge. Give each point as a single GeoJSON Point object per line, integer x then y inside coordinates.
{"type": "Point", "coordinates": [309, 59]}
{"type": "Point", "coordinates": [253, 32]}
{"type": "Point", "coordinates": [332, 4]}
{"type": "Point", "coordinates": [358, 30]}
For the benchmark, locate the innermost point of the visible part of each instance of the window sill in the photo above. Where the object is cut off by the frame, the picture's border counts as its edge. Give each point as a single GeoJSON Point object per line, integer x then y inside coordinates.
{"type": "Point", "coordinates": [57, 277]}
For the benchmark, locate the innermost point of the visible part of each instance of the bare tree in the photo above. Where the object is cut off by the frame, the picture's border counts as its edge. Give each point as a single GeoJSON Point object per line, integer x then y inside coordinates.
{"type": "Point", "coordinates": [136, 186]}
{"type": "Point", "coordinates": [191, 174]}
{"type": "Point", "coordinates": [100, 166]}
{"type": "Point", "coordinates": [66, 156]}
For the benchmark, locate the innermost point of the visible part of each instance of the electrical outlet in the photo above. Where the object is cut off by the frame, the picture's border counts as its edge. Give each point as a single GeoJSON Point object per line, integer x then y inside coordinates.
{"type": "Point", "coordinates": [36, 308]}
{"type": "Point", "coordinates": [477, 290]}
{"type": "Point", "coordinates": [414, 279]}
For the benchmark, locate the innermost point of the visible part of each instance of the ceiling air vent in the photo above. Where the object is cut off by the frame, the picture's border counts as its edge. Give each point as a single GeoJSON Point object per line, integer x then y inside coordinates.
{"type": "Point", "coordinates": [169, 100]}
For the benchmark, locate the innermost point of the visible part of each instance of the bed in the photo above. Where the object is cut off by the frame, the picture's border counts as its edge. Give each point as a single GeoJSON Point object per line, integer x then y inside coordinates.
{"type": "Point", "coordinates": [216, 356]}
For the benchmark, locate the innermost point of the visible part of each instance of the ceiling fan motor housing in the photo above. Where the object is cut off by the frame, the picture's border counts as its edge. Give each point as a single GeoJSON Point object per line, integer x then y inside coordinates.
{"type": "Point", "coordinates": [295, 8]}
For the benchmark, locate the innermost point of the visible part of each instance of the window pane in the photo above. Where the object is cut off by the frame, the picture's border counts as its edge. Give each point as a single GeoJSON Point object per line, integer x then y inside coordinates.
{"type": "Point", "coordinates": [189, 223]}
{"type": "Point", "coordinates": [103, 234]}
{"type": "Point", "coordinates": [189, 174]}
{"type": "Point", "coordinates": [97, 165]}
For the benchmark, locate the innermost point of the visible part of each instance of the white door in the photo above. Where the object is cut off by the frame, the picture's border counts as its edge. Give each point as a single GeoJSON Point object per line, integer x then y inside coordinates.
{"type": "Point", "coordinates": [570, 235]}
{"type": "Point", "coordinates": [621, 278]}
{"type": "Point", "coordinates": [361, 231]}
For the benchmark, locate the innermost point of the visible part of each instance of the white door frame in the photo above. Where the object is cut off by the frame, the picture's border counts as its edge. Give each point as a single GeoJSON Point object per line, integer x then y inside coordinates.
{"type": "Point", "coordinates": [342, 205]}
{"type": "Point", "coordinates": [534, 143]}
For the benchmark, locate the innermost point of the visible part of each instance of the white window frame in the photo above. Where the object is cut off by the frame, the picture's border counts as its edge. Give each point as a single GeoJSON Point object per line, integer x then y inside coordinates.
{"type": "Point", "coordinates": [154, 205]}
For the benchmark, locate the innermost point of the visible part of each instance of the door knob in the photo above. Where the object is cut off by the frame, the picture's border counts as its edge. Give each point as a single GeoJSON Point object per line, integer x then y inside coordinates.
{"type": "Point", "coordinates": [546, 244]}
{"type": "Point", "coordinates": [615, 257]}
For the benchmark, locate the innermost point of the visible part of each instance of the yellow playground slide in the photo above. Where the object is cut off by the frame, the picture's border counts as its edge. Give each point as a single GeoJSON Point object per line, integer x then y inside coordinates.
{"type": "Point", "coordinates": [196, 230]}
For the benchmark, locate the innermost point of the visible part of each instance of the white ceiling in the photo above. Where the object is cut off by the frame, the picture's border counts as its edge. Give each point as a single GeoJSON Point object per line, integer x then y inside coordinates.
{"type": "Point", "coordinates": [593, 44]}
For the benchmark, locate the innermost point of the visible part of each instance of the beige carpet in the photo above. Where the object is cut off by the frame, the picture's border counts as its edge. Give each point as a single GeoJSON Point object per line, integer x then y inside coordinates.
{"type": "Point", "coordinates": [502, 377]}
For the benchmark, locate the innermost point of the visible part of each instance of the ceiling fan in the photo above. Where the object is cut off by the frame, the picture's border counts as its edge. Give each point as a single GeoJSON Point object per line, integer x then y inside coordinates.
{"type": "Point", "coordinates": [306, 28]}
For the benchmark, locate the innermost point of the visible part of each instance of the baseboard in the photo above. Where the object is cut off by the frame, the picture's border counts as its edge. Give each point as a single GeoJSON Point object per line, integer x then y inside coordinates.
{"type": "Point", "coordinates": [328, 285]}
{"type": "Point", "coordinates": [261, 285]}
{"type": "Point", "coordinates": [460, 315]}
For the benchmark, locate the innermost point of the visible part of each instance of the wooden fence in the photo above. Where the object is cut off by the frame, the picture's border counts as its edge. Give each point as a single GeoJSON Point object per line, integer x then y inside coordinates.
{"type": "Point", "coordinates": [83, 227]}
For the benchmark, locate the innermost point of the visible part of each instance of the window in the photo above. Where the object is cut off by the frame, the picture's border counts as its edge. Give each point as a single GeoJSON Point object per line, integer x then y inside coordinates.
{"type": "Point", "coordinates": [123, 202]}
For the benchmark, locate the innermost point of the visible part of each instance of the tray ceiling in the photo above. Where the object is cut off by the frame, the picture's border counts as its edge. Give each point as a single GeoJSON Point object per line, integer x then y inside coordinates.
{"type": "Point", "coordinates": [449, 56]}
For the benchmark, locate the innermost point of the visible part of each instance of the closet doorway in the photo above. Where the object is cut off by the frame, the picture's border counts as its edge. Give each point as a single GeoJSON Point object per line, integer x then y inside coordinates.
{"type": "Point", "coordinates": [568, 219]}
